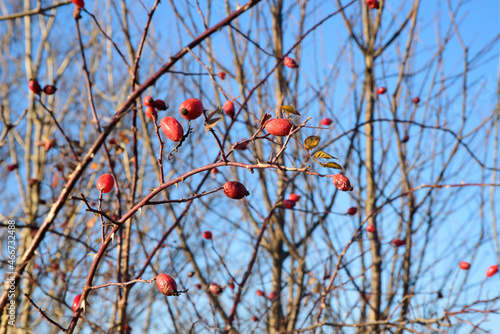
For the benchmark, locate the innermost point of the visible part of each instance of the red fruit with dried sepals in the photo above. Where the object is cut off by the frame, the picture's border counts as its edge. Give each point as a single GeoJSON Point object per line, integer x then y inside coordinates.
{"type": "Point", "coordinates": [326, 121]}
{"type": "Point", "coordinates": [215, 289]}
{"type": "Point", "coordinates": [294, 197]}
{"type": "Point", "coordinates": [260, 293]}
{"type": "Point", "coordinates": [289, 62]}
{"type": "Point", "coordinates": [151, 113]}
{"type": "Point", "coordinates": [288, 203]}
{"type": "Point", "coordinates": [207, 235]}
{"type": "Point", "coordinates": [191, 109]}
{"type": "Point", "coordinates": [254, 318]}
{"type": "Point", "coordinates": [398, 242]}
{"type": "Point", "coordinates": [492, 270]}
{"type": "Point", "coordinates": [172, 128]}
{"type": "Point", "coordinates": [79, 3]}
{"type": "Point", "coordinates": [160, 105]}
{"type": "Point", "coordinates": [49, 89]}
{"type": "Point", "coordinates": [341, 182]}
{"type": "Point", "coordinates": [272, 295]}
{"type": "Point", "coordinates": [105, 183]}
{"type": "Point", "coordinates": [235, 190]}
{"type": "Point", "coordinates": [279, 127]}
{"type": "Point", "coordinates": [352, 211]}
{"type": "Point", "coordinates": [229, 108]}
{"type": "Point", "coordinates": [166, 285]}
{"type": "Point", "coordinates": [76, 303]}
{"type": "Point", "coordinates": [148, 101]}
{"type": "Point", "coordinates": [416, 100]}
{"type": "Point", "coordinates": [381, 90]}
{"type": "Point", "coordinates": [371, 229]}
{"type": "Point", "coordinates": [34, 86]}
{"type": "Point", "coordinates": [464, 265]}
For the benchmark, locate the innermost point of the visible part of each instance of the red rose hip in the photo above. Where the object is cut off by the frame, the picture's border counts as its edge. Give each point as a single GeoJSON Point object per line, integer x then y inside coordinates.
{"type": "Point", "coordinates": [381, 90]}
{"type": "Point", "coordinates": [278, 127]}
{"type": "Point", "coordinates": [229, 108]}
{"type": "Point", "coordinates": [151, 113]}
{"type": "Point", "coordinates": [288, 203]}
{"type": "Point", "coordinates": [371, 229]}
{"type": "Point", "coordinates": [49, 89]}
{"type": "Point", "coordinates": [294, 197]}
{"type": "Point", "coordinates": [148, 101]}
{"type": "Point", "coordinates": [235, 190]}
{"type": "Point", "coordinates": [172, 128]}
{"type": "Point", "coordinates": [79, 3]}
{"type": "Point", "coordinates": [160, 105]}
{"type": "Point", "coordinates": [166, 285]}
{"type": "Point", "coordinates": [207, 235]}
{"type": "Point", "coordinates": [191, 109]}
{"type": "Point", "coordinates": [105, 183]}
{"type": "Point", "coordinates": [289, 62]}
{"type": "Point", "coordinates": [341, 182]}
{"type": "Point", "coordinates": [464, 265]}
{"type": "Point", "coordinates": [260, 293]}
{"type": "Point", "coordinates": [326, 121]}
{"type": "Point", "coordinates": [492, 270]}
{"type": "Point", "coordinates": [352, 211]}
{"type": "Point", "coordinates": [34, 86]}
{"type": "Point", "coordinates": [76, 303]}
{"type": "Point", "coordinates": [416, 100]}
{"type": "Point", "coordinates": [398, 242]}
{"type": "Point", "coordinates": [215, 289]}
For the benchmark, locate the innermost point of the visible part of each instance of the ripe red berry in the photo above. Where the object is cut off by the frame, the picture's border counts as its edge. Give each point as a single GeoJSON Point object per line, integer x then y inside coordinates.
{"type": "Point", "coordinates": [288, 203]}
{"type": "Point", "coordinates": [12, 167]}
{"type": "Point", "coordinates": [222, 75]}
{"type": "Point", "coordinates": [352, 211]}
{"type": "Point", "coordinates": [229, 108]}
{"type": "Point", "coordinates": [326, 121]}
{"type": "Point", "coordinates": [127, 329]}
{"type": "Point", "coordinates": [172, 128]}
{"type": "Point", "coordinates": [398, 242]}
{"type": "Point", "coordinates": [381, 90]}
{"type": "Point", "coordinates": [235, 190]}
{"type": "Point", "coordinates": [215, 289]}
{"type": "Point", "coordinates": [260, 293]}
{"type": "Point", "coordinates": [373, 4]}
{"type": "Point", "coordinates": [405, 139]}
{"type": "Point", "coordinates": [79, 3]}
{"type": "Point", "coordinates": [76, 303]}
{"type": "Point", "coordinates": [294, 197]}
{"type": "Point", "coordinates": [464, 265]}
{"type": "Point", "coordinates": [49, 89]}
{"type": "Point", "coordinates": [341, 182]}
{"type": "Point", "coordinates": [191, 109]}
{"type": "Point", "coordinates": [148, 101]}
{"type": "Point", "coordinates": [254, 318]}
{"type": "Point", "coordinates": [207, 235]}
{"type": "Point", "coordinates": [151, 113]}
{"type": "Point", "coordinates": [198, 286]}
{"type": "Point", "coordinates": [34, 86]}
{"type": "Point", "coordinates": [278, 127]}
{"type": "Point", "coordinates": [371, 229]}
{"type": "Point", "coordinates": [105, 183]}
{"type": "Point", "coordinates": [160, 105]}
{"type": "Point", "coordinates": [231, 286]}
{"type": "Point", "coordinates": [166, 285]}
{"type": "Point", "coordinates": [416, 100]}
{"type": "Point", "coordinates": [289, 62]}
{"type": "Point", "coordinates": [492, 270]}
{"type": "Point", "coordinates": [54, 265]}
{"type": "Point", "coordinates": [214, 171]}
{"type": "Point", "coordinates": [272, 295]}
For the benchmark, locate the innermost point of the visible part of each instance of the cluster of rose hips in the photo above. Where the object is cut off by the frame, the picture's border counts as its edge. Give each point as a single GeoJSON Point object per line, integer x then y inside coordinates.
{"type": "Point", "coordinates": [291, 201]}
{"type": "Point", "coordinates": [37, 89]}
{"type": "Point", "coordinates": [492, 270]}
